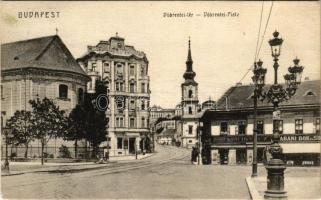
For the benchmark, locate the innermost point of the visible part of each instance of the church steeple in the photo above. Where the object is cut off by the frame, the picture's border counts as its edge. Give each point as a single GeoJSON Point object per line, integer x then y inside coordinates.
{"type": "Point", "coordinates": [189, 73]}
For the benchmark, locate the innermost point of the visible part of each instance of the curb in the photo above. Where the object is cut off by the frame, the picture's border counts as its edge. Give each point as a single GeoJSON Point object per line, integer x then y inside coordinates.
{"type": "Point", "coordinates": [13, 174]}
{"type": "Point", "coordinates": [252, 189]}
{"type": "Point", "coordinates": [99, 166]}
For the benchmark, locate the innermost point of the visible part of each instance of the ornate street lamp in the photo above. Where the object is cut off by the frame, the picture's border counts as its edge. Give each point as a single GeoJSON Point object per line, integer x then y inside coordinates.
{"type": "Point", "coordinates": [259, 81]}
{"type": "Point", "coordinates": [275, 94]}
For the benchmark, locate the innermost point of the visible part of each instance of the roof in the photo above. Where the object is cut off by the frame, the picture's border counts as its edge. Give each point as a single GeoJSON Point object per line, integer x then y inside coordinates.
{"type": "Point", "coordinates": [111, 48]}
{"type": "Point", "coordinates": [238, 97]}
{"type": "Point", "coordinates": [44, 53]}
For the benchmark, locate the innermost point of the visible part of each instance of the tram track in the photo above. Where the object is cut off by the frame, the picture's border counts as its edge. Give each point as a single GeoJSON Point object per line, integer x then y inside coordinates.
{"type": "Point", "coordinates": [156, 160]}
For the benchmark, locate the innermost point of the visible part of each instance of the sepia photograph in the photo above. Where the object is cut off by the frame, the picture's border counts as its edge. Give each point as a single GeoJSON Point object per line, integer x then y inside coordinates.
{"type": "Point", "coordinates": [160, 100]}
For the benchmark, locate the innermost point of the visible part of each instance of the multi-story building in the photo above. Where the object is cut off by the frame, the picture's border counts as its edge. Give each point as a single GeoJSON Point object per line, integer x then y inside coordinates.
{"type": "Point", "coordinates": [189, 104]}
{"type": "Point", "coordinates": [157, 112]}
{"type": "Point", "coordinates": [124, 71]}
{"type": "Point", "coordinates": [39, 68]}
{"type": "Point", "coordinates": [228, 130]}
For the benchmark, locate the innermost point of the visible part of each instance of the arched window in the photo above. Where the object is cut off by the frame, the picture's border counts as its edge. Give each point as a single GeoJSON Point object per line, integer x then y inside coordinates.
{"type": "Point", "coordinates": [63, 91]}
{"type": "Point", "coordinates": [143, 105]}
{"type": "Point", "coordinates": [80, 95]}
{"type": "Point", "coordinates": [190, 94]}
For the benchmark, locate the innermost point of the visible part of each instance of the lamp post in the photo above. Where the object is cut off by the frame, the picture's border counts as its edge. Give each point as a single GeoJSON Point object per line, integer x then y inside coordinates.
{"type": "Point", "coordinates": [7, 132]}
{"type": "Point", "coordinates": [258, 79]}
{"type": "Point", "coordinates": [200, 128]}
{"type": "Point", "coordinates": [275, 94]}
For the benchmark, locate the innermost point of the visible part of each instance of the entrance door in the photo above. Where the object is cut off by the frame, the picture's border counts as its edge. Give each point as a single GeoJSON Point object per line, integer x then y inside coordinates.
{"type": "Point", "coordinates": [223, 156]}
{"type": "Point", "coordinates": [131, 147]}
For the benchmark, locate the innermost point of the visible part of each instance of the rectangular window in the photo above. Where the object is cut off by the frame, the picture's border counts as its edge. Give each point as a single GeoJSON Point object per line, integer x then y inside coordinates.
{"type": "Point", "coordinates": [241, 127]}
{"type": "Point", "coordinates": [190, 141]}
{"type": "Point", "coordinates": [278, 125]}
{"type": "Point", "coordinates": [119, 143]}
{"type": "Point", "coordinates": [132, 122]}
{"type": "Point", "coordinates": [132, 105]}
{"type": "Point", "coordinates": [143, 88]}
{"type": "Point", "coordinates": [119, 69]}
{"type": "Point", "coordinates": [224, 127]}
{"type": "Point", "coordinates": [63, 91]}
{"type": "Point", "coordinates": [121, 122]}
{"type": "Point", "coordinates": [143, 122]}
{"type": "Point", "coordinates": [317, 125]}
{"type": "Point", "coordinates": [132, 87]}
{"type": "Point", "coordinates": [260, 127]}
{"type": "Point", "coordinates": [132, 70]}
{"type": "Point", "coordinates": [190, 129]}
{"type": "Point", "coordinates": [190, 110]}
{"type": "Point", "coordinates": [142, 71]}
{"type": "Point", "coordinates": [119, 86]}
{"type": "Point", "coordinates": [106, 67]}
{"type": "Point", "coordinates": [299, 126]}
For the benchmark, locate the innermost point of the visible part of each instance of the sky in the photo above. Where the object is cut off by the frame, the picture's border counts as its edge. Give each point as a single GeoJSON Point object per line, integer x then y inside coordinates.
{"type": "Point", "coordinates": [223, 48]}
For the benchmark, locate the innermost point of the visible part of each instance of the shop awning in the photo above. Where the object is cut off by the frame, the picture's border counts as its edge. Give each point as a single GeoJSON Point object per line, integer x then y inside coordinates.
{"type": "Point", "coordinates": [301, 148]}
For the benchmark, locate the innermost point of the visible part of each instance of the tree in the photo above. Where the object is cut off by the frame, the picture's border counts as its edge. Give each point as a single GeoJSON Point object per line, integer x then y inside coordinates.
{"type": "Point", "coordinates": [22, 128]}
{"type": "Point", "coordinates": [76, 126]}
{"type": "Point", "coordinates": [48, 121]}
{"type": "Point", "coordinates": [96, 121]}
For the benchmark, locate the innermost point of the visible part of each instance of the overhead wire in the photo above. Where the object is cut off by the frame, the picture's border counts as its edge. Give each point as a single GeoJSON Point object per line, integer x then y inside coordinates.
{"type": "Point", "coordinates": [257, 51]}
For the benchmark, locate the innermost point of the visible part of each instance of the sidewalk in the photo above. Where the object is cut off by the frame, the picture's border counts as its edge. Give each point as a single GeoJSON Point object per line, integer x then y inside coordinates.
{"type": "Point", "coordinates": [18, 168]}
{"type": "Point", "coordinates": [296, 186]}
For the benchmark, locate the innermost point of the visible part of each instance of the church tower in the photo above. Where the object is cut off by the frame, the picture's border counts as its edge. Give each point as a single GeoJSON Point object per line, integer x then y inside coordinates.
{"type": "Point", "coordinates": [189, 103]}
{"type": "Point", "coordinates": [189, 88]}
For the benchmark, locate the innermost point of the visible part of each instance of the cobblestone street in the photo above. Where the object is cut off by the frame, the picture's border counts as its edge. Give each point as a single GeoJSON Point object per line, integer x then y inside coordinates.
{"type": "Point", "coordinates": [167, 174]}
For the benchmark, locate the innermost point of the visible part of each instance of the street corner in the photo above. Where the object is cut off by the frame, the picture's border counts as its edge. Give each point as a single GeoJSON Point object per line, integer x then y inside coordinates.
{"type": "Point", "coordinates": [251, 184]}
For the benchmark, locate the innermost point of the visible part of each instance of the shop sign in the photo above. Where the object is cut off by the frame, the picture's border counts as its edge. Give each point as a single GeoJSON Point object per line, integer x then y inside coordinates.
{"type": "Point", "coordinates": [300, 138]}
{"type": "Point", "coordinates": [240, 140]}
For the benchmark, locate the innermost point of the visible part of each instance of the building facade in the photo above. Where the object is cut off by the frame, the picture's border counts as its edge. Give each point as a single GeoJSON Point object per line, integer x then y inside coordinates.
{"type": "Point", "coordinates": [124, 71]}
{"type": "Point", "coordinates": [228, 130]}
{"type": "Point", "coordinates": [189, 104]}
{"type": "Point", "coordinates": [39, 68]}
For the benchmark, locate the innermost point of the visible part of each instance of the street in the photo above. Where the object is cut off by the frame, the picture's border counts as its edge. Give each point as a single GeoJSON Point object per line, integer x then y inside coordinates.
{"type": "Point", "coordinates": [167, 174]}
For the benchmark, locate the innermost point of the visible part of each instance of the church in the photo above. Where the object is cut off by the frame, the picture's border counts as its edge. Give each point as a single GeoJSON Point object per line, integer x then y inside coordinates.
{"type": "Point", "coordinates": [189, 104]}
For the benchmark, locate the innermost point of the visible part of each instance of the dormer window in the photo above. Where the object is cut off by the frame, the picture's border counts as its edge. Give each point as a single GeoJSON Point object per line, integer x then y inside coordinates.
{"type": "Point", "coordinates": [119, 45]}
{"type": "Point", "coordinates": [93, 66]}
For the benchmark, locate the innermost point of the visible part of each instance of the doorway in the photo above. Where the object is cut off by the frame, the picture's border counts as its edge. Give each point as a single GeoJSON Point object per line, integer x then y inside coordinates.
{"type": "Point", "coordinates": [131, 146]}
{"type": "Point", "coordinates": [223, 156]}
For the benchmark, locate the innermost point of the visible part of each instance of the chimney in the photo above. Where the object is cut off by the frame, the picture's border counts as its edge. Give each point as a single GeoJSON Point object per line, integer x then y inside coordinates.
{"type": "Point", "coordinates": [238, 84]}
{"type": "Point", "coordinates": [306, 78]}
